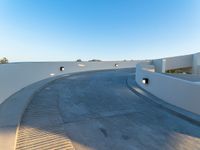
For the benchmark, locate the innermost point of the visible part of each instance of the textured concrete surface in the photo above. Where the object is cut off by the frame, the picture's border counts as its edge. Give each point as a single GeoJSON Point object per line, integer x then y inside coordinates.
{"type": "Point", "coordinates": [96, 111]}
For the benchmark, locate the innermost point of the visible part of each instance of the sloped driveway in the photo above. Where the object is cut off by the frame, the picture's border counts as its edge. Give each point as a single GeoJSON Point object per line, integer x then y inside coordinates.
{"type": "Point", "coordinates": [96, 111]}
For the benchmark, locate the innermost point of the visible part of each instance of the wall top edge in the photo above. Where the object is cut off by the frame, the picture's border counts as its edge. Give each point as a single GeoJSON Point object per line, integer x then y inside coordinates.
{"type": "Point", "coordinates": [72, 61]}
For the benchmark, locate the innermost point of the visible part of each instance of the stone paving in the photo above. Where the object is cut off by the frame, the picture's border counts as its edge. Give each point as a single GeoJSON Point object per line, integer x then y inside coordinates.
{"type": "Point", "coordinates": [96, 111]}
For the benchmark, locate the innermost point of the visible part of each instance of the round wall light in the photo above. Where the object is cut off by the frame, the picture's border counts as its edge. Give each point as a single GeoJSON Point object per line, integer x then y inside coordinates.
{"type": "Point", "coordinates": [145, 81]}
{"type": "Point", "coordinates": [62, 68]}
{"type": "Point", "coordinates": [116, 65]}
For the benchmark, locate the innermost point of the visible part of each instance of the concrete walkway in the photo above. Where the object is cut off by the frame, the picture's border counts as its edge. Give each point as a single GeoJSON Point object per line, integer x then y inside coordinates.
{"type": "Point", "coordinates": [96, 111]}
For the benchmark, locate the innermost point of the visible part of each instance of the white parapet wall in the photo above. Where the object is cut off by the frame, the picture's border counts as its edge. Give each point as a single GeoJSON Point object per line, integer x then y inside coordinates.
{"type": "Point", "coordinates": [196, 64]}
{"type": "Point", "coordinates": [178, 92]}
{"type": "Point", "coordinates": [161, 65]}
{"type": "Point", "coordinates": [16, 76]}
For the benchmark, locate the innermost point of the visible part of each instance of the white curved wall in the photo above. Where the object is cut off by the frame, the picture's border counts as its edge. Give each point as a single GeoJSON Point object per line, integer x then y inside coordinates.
{"type": "Point", "coordinates": [181, 93]}
{"type": "Point", "coordinates": [179, 62]}
{"type": "Point", "coordinates": [196, 64]}
{"type": "Point", "coordinates": [16, 76]}
{"type": "Point", "coordinates": [173, 63]}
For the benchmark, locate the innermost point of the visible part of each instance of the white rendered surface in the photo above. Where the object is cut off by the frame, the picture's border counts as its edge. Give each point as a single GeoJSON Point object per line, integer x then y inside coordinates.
{"type": "Point", "coordinates": [196, 64]}
{"type": "Point", "coordinates": [161, 65]}
{"type": "Point", "coordinates": [181, 93]}
{"type": "Point", "coordinates": [16, 76]}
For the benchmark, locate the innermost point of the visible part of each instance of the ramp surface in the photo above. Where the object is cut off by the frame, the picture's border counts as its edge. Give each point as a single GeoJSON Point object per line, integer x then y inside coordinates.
{"type": "Point", "coordinates": [96, 111]}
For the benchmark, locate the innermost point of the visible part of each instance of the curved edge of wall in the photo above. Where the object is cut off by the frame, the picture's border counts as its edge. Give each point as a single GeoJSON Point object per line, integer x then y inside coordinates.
{"type": "Point", "coordinates": [10, 120]}
{"type": "Point", "coordinates": [14, 77]}
{"type": "Point", "coordinates": [178, 92]}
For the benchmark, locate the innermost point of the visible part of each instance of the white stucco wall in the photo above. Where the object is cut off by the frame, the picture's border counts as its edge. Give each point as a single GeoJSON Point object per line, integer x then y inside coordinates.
{"type": "Point", "coordinates": [179, 62]}
{"type": "Point", "coordinates": [16, 76]}
{"type": "Point", "coordinates": [196, 64]}
{"type": "Point", "coordinates": [181, 93]}
{"type": "Point", "coordinates": [160, 65]}
{"type": "Point", "coordinates": [173, 63]}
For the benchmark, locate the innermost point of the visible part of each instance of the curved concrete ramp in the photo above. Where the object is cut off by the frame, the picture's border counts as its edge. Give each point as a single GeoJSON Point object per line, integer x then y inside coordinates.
{"type": "Point", "coordinates": [96, 111]}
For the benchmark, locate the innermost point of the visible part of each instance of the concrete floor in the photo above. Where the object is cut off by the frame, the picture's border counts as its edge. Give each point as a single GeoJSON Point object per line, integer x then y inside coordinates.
{"type": "Point", "coordinates": [96, 111]}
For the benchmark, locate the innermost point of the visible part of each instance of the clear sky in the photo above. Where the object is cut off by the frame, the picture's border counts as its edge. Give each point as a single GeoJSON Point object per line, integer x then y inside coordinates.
{"type": "Point", "coordinates": [56, 30]}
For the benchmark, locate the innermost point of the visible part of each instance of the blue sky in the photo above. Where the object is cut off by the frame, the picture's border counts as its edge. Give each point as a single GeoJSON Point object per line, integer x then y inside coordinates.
{"type": "Point", "coordinates": [56, 30]}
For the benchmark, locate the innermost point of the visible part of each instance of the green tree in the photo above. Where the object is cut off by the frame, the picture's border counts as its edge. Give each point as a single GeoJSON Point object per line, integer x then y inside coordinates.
{"type": "Point", "coordinates": [78, 60]}
{"type": "Point", "coordinates": [3, 60]}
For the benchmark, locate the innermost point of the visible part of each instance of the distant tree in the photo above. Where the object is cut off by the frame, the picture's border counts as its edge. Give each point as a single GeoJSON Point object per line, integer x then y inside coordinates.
{"type": "Point", "coordinates": [3, 60]}
{"type": "Point", "coordinates": [78, 60]}
{"type": "Point", "coordinates": [95, 60]}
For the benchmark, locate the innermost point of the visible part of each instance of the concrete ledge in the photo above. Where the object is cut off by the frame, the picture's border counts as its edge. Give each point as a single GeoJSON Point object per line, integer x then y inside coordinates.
{"type": "Point", "coordinates": [11, 111]}
{"type": "Point", "coordinates": [182, 113]}
{"type": "Point", "coordinates": [176, 91]}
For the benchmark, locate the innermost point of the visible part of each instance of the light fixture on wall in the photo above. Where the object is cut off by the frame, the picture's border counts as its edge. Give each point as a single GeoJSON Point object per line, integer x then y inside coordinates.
{"type": "Point", "coordinates": [145, 81]}
{"type": "Point", "coordinates": [62, 68]}
{"type": "Point", "coordinates": [81, 65]}
{"type": "Point", "coordinates": [52, 74]}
